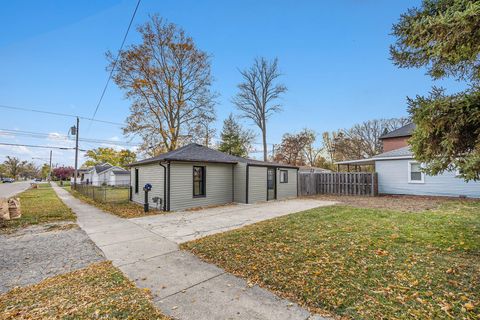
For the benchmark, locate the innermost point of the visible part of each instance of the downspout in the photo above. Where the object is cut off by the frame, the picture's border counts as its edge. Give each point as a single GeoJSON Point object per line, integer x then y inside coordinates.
{"type": "Point", "coordinates": [246, 194]}
{"type": "Point", "coordinates": [164, 186]}
{"type": "Point", "coordinates": [168, 186]}
{"type": "Point", "coordinates": [233, 183]}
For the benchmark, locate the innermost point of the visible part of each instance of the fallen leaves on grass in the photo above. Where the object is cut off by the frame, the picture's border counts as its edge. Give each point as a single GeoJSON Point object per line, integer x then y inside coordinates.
{"type": "Point", "coordinates": [99, 291]}
{"type": "Point", "coordinates": [361, 263]}
{"type": "Point", "coordinates": [402, 203]}
{"type": "Point", "coordinates": [121, 209]}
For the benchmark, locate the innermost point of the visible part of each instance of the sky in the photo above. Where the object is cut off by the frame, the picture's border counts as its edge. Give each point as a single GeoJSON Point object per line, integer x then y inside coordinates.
{"type": "Point", "coordinates": [334, 57]}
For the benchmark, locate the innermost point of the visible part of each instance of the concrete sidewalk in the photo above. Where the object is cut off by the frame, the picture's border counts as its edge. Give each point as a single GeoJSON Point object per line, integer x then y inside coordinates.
{"type": "Point", "coordinates": [183, 286]}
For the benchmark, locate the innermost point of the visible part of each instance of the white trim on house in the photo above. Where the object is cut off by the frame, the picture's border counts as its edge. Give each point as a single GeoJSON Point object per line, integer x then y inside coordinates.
{"type": "Point", "coordinates": [422, 175]}
{"type": "Point", "coordinates": [372, 160]}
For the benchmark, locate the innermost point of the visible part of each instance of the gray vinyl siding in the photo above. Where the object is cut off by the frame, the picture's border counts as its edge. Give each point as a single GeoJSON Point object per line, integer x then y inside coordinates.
{"type": "Point", "coordinates": [219, 185]}
{"type": "Point", "coordinates": [240, 182]}
{"type": "Point", "coordinates": [289, 189]}
{"type": "Point", "coordinates": [393, 179]}
{"type": "Point", "coordinates": [149, 173]}
{"type": "Point", "coordinates": [257, 184]}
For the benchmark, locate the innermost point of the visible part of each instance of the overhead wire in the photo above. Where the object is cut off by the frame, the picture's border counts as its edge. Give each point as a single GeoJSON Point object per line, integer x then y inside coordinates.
{"type": "Point", "coordinates": [38, 146]}
{"type": "Point", "coordinates": [114, 64]}
{"type": "Point", "coordinates": [58, 114]}
{"type": "Point", "coordinates": [53, 136]}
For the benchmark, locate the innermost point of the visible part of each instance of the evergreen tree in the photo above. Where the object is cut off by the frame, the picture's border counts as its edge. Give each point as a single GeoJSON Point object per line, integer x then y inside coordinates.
{"type": "Point", "coordinates": [443, 36]}
{"type": "Point", "coordinates": [235, 140]}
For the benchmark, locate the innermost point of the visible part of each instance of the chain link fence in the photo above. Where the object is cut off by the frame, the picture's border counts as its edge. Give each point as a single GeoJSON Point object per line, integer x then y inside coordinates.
{"type": "Point", "coordinates": [105, 194]}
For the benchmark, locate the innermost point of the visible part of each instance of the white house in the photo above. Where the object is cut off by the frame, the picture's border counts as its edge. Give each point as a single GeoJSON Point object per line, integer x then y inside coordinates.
{"type": "Point", "coordinates": [104, 174]}
{"type": "Point", "coordinates": [399, 172]}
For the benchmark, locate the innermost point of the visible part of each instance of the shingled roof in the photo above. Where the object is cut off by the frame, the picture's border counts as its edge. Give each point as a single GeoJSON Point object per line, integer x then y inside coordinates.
{"type": "Point", "coordinates": [404, 131]}
{"type": "Point", "coordinates": [401, 152]}
{"type": "Point", "coordinates": [102, 167]}
{"type": "Point", "coordinates": [197, 153]}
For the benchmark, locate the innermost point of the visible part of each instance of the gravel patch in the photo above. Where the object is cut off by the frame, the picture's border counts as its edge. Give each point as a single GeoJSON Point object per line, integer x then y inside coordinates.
{"type": "Point", "coordinates": [39, 252]}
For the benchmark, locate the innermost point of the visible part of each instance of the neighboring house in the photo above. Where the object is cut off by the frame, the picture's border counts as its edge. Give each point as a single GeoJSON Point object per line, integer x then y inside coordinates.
{"type": "Point", "coordinates": [197, 176]}
{"type": "Point", "coordinates": [399, 173]}
{"type": "Point", "coordinates": [308, 169]}
{"type": "Point", "coordinates": [104, 174]}
{"type": "Point", "coordinates": [398, 138]}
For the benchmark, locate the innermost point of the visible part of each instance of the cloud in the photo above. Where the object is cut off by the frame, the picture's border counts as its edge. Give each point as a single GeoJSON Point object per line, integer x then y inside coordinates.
{"type": "Point", "coordinates": [7, 135]}
{"type": "Point", "coordinates": [16, 150]}
{"type": "Point", "coordinates": [55, 136]}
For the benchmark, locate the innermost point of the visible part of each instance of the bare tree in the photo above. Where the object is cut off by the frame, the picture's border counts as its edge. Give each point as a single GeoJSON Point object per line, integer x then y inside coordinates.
{"type": "Point", "coordinates": [203, 132]}
{"type": "Point", "coordinates": [312, 154]}
{"type": "Point", "coordinates": [329, 145]}
{"type": "Point", "coordinates": [168, 79]}
{"type": "Point", "coordinates": [258, 94]}
{"type": "Point", "coordinates": [292, 148]}
{"type": "Point", "coordinates": [360, 141]}
{"type": "Point", "coordinates": [366, 135]}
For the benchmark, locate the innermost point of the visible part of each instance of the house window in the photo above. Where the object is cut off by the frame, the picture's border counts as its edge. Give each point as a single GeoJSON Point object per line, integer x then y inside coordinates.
{"type": "Point", "coordinates": [415, 174]}
{"type": "Point", "coordinates": [199, 181]}
{"type": "Point", "coordinates": [283, 176]}
{"type": "Point", "coordinates": [136, 180]}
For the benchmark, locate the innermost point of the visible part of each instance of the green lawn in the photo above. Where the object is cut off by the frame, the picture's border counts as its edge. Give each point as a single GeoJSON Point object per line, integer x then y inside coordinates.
{"type": "Point", "coordinates": [63, 184]}
{"type": "Point", "coordinates": [99, 291]}
{"type": "Point", "coordinates": [362, 263]}
{"type": "Point", "coordinates": [39, 206]}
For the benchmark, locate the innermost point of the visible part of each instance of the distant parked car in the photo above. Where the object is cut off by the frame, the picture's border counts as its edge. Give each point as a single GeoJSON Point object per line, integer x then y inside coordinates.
{"type": "Point", "coordinates": [37, 179]}
{"type": "Point", "coordinates": [8, 180]}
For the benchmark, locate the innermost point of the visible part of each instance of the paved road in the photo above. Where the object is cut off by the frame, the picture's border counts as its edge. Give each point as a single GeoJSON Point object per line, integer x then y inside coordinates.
{"type": "Point", "coordinates": [183, 286]}
{"type": "Point", "coordinates": [10, 189]}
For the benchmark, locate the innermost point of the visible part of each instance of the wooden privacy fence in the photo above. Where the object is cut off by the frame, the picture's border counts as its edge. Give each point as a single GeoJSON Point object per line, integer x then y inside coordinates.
{"type": "Point", "coordinates": [342, 183]}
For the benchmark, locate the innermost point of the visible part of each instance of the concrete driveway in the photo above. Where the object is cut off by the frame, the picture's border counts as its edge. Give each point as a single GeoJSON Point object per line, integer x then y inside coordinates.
{"type": "Point", "coordinates": [183, 286]}
{"type": "Point", "coordinates": [8, 190]}
{"type": "Point", "coordinates": [189, 225]}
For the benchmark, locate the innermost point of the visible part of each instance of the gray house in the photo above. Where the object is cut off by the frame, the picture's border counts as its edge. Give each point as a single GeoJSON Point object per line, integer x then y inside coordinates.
{"type": "Point", "coordinates": [196, 176]}
{"type": "Point", "coordinates": [399, 172]}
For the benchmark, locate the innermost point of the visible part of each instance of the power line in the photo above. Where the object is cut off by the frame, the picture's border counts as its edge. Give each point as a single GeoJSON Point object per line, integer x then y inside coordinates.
{"type": "Point", "coordinates": [59, 114]}
{"type": "Point", "coordinates": [37, 146]}
{"type": "Point", "coordinates": [42, 135]}
{"type": "Point", "coordinates": [115, 63]}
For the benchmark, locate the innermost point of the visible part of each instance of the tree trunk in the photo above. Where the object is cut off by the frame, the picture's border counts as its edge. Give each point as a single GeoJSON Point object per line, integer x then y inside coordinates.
{"type": "Point", "coordinates": [264, 138]}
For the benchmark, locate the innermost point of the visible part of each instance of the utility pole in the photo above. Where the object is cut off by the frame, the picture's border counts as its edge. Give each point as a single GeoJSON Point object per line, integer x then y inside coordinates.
{"type": "Point", "coordinates": [74, 130]}
{"type": "Point", "coordinates": [50, 168]}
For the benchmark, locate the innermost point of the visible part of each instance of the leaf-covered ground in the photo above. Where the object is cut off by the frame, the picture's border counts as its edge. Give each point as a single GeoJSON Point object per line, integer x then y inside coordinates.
{"type": "Point", "coordinates": [392, 202]}
{"type": "Point", "coordinates": [99, 291]}
{"type": "Point", "coordinates": [362, 263]}
{"type": "Point", "coordinates": [39, 205]}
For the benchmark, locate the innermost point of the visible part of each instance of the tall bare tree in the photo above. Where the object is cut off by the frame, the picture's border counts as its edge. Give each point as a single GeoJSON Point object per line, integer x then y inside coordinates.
{"type": "Point", "coordinates": [168, 79]}
{"type": "Point", "coordinates": [258, 94]}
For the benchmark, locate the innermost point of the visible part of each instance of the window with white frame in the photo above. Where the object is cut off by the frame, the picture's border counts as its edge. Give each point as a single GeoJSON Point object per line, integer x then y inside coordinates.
{"type": "Point", "coordinates": [415, 174]}
{"type": "Point", "coordinates": [283, 176]}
